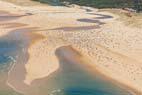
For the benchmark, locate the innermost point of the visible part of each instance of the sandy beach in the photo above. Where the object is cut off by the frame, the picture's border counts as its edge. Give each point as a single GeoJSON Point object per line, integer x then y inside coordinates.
{"type": "Point", "coordinates": [114, 47]}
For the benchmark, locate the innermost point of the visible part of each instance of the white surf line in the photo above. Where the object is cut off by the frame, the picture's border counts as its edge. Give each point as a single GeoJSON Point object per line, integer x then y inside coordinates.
{"type": "Point", "coordinates": [10, 85]}
{"type": "Point", "coordinates": [55, 91]}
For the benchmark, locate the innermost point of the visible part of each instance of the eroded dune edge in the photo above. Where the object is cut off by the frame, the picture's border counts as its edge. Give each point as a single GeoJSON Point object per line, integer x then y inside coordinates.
{"type": "Point", "coordinates": [113, 47]}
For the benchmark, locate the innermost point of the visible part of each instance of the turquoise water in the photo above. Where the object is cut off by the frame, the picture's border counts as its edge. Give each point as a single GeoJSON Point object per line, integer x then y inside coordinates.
{"type": "Point", "coordinates": [75, 79]}
{"type": "Point", "coordinates": [11, 49]}
{"type": "Point", "coordinates": [6, 56]}
{"type": "Point", "coordinates": [71, 79]}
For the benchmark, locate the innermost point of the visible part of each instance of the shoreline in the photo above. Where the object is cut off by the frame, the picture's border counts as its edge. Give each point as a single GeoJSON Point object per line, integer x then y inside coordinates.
{"type": "Point", "coordinates": [98, 70]}
{"type": "Point", "coordinates": [49, 47]}
{"type": "Point", "coordinates": [33, 38]}
{"type": "Point", "coordinates": [108, 77]}
{"type": "Point", "coordinates": [90, 64]}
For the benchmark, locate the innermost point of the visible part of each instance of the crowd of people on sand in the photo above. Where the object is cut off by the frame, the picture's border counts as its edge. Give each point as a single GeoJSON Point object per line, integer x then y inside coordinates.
{"type": "Point", "coordinates": [110, 49]}
{"type": "Point", "coordinates": [110, 46]}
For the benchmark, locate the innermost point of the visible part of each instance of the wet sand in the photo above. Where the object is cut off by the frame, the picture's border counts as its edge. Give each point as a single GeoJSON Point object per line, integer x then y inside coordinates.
{"type": "Point", "coordinates": [68, 55]}
{"type": "Point", "coordinates": [20, 39]}
{"type": "Point", "coordinates": [18, 68]}
{"type": "Point", "coordinates": [53, 27]}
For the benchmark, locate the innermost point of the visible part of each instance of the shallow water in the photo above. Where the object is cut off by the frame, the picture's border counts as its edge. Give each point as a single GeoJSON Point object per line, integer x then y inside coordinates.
{"type": "Point", "coordinates": [71, 79]}
{"type": "Point", "coordinates": [74, 78]}
{"type": "Point", "coordinates": [11, 50]}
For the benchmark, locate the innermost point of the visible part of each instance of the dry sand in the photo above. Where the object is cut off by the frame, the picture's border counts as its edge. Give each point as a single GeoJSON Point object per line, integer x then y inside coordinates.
{"type": "Point", "coordinates": [42, 57]}
{"type": "Point", "coordinates": [114, 47]}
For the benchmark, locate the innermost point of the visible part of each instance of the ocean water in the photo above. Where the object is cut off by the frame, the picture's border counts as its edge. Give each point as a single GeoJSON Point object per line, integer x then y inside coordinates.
{"type": "Point", "coordinates": [72, 78]}
{"type": "Point", "coordinates": [11, 49]}
{"type": "Point", "coordinates": [6, 56]}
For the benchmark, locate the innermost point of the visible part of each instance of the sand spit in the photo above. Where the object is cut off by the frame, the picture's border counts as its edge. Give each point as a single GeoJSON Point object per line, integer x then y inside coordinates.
{"type": "Point", "coordinates": [42, 60]}
{"type": "Point", "coordinates": [113, 47]}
